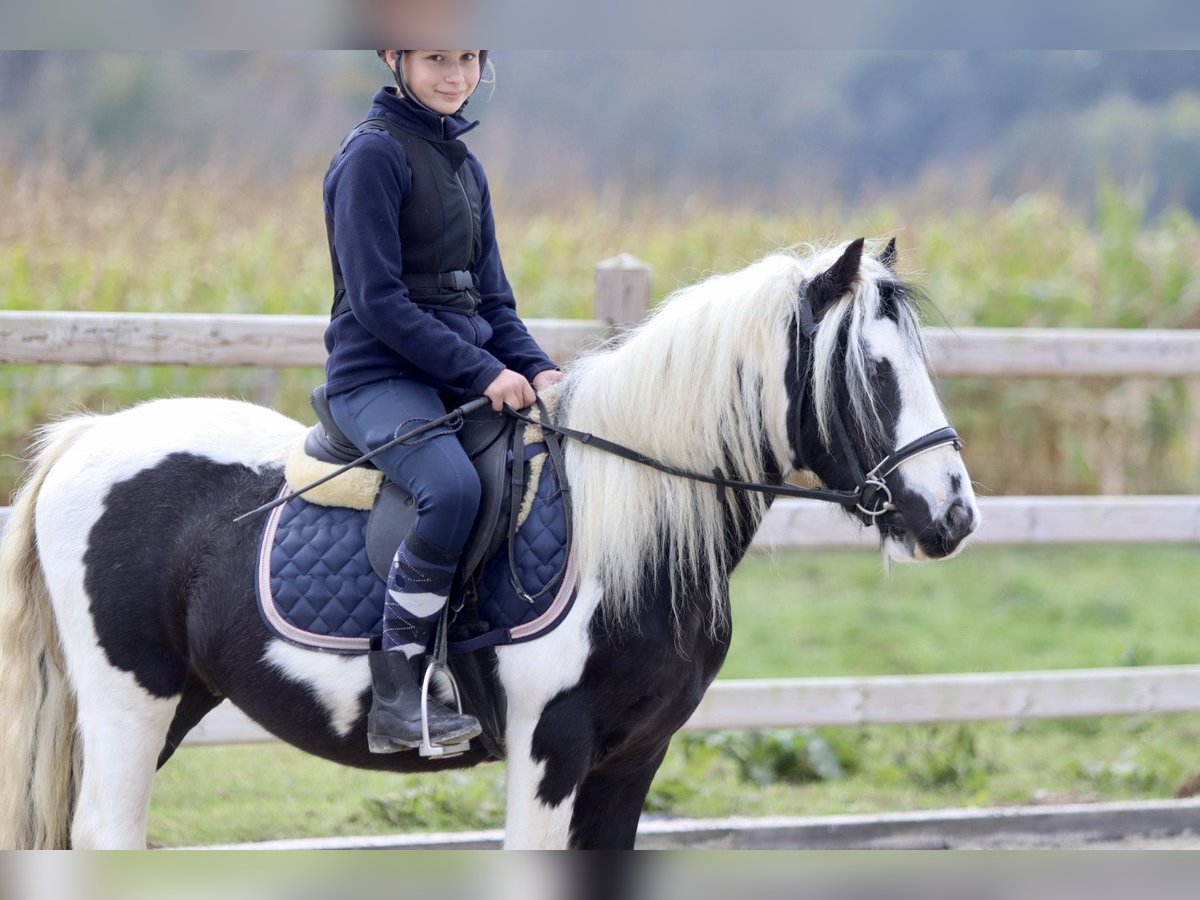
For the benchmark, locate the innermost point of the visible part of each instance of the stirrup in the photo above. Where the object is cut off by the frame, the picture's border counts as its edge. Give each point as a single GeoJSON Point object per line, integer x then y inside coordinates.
{"type": "Point", "coordinates": [427, 748]}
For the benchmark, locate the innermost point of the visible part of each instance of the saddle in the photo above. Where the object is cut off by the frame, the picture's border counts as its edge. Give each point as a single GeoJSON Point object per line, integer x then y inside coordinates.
{"type": "Point", "coordinates": [346, 533]}
{"type": "Point", "coordinates": [486, 435]}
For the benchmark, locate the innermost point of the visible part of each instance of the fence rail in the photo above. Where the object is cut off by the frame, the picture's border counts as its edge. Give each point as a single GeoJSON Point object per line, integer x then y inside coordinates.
{"type": "Point", "coordinates": [1005, 521]}
{"type": "Point", "coordinates": [183, 339]}
{"type": "Point", "coordinates": [889, 700]}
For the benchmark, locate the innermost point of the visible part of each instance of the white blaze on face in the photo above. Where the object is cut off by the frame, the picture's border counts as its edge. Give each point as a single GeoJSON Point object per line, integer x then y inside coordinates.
{"type": "Point", "coordinates": [938, 476]}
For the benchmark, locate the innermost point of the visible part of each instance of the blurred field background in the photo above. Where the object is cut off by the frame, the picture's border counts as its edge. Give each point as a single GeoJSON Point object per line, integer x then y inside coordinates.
{"type": "Point", "coordinates": [210, 241]}
{"type": "Point", "coordinates": [1026, 189]}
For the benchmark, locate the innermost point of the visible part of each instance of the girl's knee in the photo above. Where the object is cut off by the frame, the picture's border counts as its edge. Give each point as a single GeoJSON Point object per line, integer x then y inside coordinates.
{"type": "Point", "coordinates": [448, 504]}
{"type": "Point", "coordinates": [459, 487]}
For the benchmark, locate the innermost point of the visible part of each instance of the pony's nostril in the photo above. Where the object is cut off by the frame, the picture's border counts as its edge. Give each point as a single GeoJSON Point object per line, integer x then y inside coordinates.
{"type": "Point", "coordinates": [959, 521]}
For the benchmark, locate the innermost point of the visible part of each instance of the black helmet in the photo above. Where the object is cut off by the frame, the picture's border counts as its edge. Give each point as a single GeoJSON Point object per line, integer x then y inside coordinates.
{"type": "Point", "coordinates": [407, 94]}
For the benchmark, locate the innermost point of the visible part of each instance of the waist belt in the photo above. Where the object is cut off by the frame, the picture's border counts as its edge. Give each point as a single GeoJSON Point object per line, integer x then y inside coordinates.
{"type": "Point", "coordinates": [445, 281]}
{"type": "Point", "coordinates": [451, 291]}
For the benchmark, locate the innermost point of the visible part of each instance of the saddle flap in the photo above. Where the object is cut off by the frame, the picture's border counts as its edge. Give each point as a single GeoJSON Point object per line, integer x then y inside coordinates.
{"type": "Point", "coordinates": [391, 519]}
{"type": "Point", "coordinates": [486, 437]}
{"type": "Point", "coordinates": [492, 460]}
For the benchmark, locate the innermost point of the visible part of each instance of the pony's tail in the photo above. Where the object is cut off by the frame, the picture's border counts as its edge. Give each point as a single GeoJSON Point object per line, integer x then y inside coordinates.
{"type": "Point", "coordinates": [40, 753]}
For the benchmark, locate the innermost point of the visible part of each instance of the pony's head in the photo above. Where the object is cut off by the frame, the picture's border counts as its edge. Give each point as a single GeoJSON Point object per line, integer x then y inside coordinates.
{"type": "Point", "coordinates": [859, 389]}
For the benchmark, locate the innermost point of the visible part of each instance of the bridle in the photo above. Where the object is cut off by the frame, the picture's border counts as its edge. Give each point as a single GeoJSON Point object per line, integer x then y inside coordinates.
{"type": "Point", "coordinates": [870, 498]}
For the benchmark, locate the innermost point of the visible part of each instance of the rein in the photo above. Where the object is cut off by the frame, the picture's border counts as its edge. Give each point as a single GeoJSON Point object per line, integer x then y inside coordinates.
{"type": "Point", "coordinates": [870, 498]}
{"type": "Point", "coordinates": [870, 486]}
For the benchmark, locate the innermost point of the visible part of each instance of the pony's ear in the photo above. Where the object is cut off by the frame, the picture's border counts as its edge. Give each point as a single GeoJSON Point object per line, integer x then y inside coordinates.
{"type": "Point", "coordinates": [832, 284]}
{"type": "Point", "coordinates": [888, 256]}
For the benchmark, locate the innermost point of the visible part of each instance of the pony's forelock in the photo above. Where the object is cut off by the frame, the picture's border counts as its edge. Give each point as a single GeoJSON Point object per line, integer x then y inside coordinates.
{"type": "Point", "coordinates": [841, 352]}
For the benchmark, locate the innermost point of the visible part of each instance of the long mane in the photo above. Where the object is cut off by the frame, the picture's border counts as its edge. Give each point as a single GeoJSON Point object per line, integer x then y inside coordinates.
{"type": "Point", "coordinates": [701, 383]}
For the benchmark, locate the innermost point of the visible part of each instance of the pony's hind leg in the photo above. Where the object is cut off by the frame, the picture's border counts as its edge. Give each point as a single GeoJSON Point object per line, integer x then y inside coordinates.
{"type": "Point", "coordinates": [122, 724]}
{"type": "Point", "coordinates": [123, 730]}
{"type": "Point", "coordinates": [127, 682]}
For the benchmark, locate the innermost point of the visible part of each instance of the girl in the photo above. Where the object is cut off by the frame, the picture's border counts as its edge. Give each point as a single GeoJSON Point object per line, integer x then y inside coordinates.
{"type": "Point", "coordinates": [422, 309]}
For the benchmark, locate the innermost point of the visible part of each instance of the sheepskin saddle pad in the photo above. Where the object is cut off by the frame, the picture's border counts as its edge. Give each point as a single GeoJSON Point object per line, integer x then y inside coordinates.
{"type": "Point", "coordinates": [324, 557]}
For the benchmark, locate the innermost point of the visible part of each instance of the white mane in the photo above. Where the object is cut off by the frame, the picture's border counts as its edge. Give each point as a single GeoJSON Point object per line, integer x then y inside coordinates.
{"type": "Point", "coordinates": [700, 384]}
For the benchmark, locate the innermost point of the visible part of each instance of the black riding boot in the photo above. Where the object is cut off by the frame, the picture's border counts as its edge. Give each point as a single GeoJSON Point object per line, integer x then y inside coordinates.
{"type": "Point", "coordinates": [394, 722]}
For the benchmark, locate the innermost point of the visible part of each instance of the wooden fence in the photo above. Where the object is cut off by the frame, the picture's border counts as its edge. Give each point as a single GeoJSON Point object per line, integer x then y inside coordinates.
{"type": "Point", "coordinates": [622, 296]}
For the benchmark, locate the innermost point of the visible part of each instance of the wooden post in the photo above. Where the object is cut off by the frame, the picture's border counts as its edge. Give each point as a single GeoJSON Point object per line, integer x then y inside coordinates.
{"type": "Point", "coordinates": [623, 290]}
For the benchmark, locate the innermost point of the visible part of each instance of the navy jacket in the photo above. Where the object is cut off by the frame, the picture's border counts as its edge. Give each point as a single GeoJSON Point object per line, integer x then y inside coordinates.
{"type": "Point", "coordinates": [387, 335]}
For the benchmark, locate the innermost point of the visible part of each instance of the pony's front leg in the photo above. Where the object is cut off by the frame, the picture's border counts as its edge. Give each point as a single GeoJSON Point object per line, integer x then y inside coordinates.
{"type": "Point", "coordinates": [609, 802]}
{"type": "Point", "coordinates": [560, 795]}
{"type": "Point", "coordinates": [549, 732]}
{"type": "Point", "coordinates": [543, 780]}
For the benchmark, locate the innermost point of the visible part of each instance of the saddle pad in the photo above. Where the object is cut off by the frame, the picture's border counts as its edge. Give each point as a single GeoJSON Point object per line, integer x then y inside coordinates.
{"type": "Point", "coordinates": [316, 587]}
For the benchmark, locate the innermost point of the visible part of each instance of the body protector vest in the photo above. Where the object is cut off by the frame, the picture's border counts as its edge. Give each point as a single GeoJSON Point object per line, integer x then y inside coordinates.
{"type": "Point", "coordinates": [439, 227]}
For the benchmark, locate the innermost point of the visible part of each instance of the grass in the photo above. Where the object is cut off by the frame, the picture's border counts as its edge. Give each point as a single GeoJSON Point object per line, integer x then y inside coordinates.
{"type": "Point", "coordinates": [804, 615]}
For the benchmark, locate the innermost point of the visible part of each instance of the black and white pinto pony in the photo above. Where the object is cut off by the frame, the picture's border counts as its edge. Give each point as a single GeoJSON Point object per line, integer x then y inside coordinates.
{"type": "Point", "coordinates": [128, 610]}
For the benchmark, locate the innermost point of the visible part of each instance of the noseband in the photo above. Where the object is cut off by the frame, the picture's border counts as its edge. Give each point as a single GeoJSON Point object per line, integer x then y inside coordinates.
{"type": "Point", "coordinates": [869, 499]}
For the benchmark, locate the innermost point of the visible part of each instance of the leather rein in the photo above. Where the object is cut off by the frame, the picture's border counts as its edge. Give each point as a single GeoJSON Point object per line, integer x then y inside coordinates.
{"type": "Point", "coordinates": [870, 498]}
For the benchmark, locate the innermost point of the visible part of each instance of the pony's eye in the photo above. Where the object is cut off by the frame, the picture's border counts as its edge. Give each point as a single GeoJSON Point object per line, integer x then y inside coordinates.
{"type": "Point", "coordinates": [872, 369]}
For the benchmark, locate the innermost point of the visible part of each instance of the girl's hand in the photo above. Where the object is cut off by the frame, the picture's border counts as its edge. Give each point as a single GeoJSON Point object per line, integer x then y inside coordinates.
{"type": "Point", "coordinates": [543, 380]}
{"type": "Point", "coordinates": [510, 389]}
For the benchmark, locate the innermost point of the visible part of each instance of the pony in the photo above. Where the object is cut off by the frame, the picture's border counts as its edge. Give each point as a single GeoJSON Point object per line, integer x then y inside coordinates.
{"type": "Point", "coordinates": [127, 607]}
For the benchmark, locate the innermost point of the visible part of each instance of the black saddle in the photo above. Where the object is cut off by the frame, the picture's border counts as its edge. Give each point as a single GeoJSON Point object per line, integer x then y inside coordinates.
{"type": "Point", "coordinates": [490, 438]}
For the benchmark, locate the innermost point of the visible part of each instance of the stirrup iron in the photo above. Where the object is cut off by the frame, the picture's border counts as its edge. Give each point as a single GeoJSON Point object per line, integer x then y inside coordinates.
{"type": "Point", "coordinates": [427, 748]}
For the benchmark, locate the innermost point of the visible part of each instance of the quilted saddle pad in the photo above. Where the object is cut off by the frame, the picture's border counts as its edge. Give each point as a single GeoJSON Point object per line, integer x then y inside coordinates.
{"type": "Point", "coordinates": [316, 587]}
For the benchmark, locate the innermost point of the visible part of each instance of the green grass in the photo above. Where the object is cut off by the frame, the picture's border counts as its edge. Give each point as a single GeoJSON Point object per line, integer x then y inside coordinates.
{"type": "Point", "coordinates": [806, 615]}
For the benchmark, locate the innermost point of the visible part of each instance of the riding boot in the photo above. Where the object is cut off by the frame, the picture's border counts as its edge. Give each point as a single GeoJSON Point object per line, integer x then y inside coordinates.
{"type": "Point", "coordinates": [394, 722]}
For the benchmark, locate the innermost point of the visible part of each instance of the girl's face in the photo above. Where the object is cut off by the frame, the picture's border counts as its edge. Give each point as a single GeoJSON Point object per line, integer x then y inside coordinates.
{"type": "Point", "coordinates": [440, 79]}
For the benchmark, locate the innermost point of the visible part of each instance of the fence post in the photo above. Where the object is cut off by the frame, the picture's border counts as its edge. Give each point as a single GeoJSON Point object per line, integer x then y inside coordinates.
{"type": "Point", "coordinates": [623, 290]}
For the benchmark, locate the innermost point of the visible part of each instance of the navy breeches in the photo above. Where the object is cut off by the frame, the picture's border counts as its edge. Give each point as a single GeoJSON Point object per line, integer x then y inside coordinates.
{"type": "Point", "coordinates": [436, 471]}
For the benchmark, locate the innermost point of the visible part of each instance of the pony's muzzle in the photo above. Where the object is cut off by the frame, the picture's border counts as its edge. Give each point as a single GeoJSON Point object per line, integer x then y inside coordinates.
{"type": "Point", "coordinates": [947, 533]}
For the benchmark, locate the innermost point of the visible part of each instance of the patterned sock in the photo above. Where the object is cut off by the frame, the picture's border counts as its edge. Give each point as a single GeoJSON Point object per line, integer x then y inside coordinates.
{"type": "Point", "coordinates": [418, 587]}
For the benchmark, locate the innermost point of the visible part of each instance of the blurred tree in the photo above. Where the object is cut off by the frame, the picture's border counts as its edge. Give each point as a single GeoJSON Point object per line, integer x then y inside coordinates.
{"type": "Point", "coordinates": [18, 73]}
{"type": "Point", "coordinates": [775, 126]}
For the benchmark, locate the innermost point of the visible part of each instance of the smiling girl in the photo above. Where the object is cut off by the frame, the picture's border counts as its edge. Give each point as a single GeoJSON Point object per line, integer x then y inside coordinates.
{"type": "Point", "coordinates": [422, 311]}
